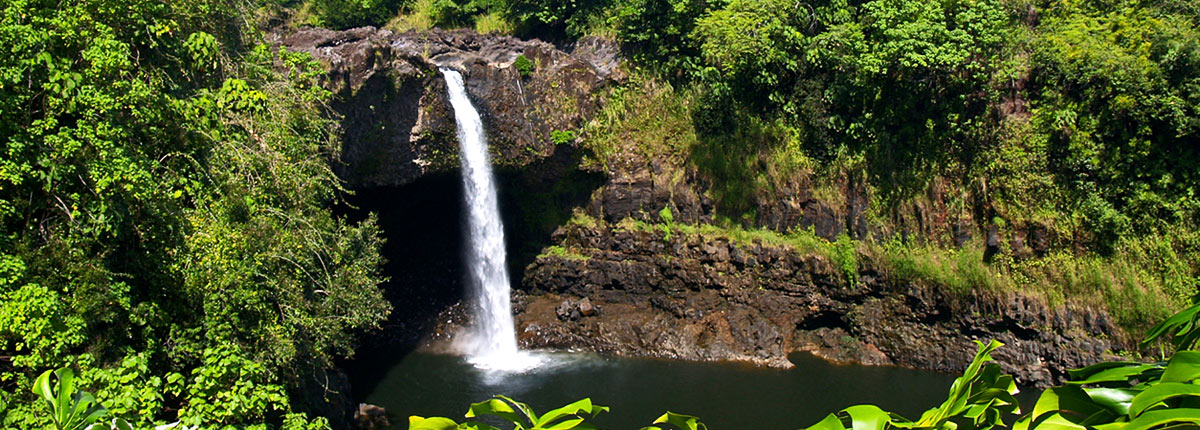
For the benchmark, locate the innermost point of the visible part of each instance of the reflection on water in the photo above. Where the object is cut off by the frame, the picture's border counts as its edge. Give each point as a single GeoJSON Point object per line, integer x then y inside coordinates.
{"type": "Point", "coordinates": [727, 396]}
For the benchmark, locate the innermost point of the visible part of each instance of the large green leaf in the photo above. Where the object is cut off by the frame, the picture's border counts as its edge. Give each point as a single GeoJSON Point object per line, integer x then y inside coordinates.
{"type": "Point", "coordinates": [1084, 373]}
{"type": "Point", "coordinates": [1182, 327]}
{"type": "Point", "coordinates": [568, 424]}
{"type": "Point", "coordinates": [1159, 393]}
{"type": "Point", "coordinates": [831, 422]}
{"type": "Point", "coordinates": [70, 409]}
{"type": "Point", "coordinates": [1059, 406]}
{"type": "Point", "coordinates": [1118, 374]}
{"type": "Point", "coordinates": [1184, 366]}
{"type": "Point", "coordinates": [1156, 418]}
{"type": "Point", "coordinates": [433, 423]}
{"type": "Point", "coordinates": [524, 408]}
{"type": "Point", "coordinates": [500, 408]}
{"type": "Point", "coordinates": [672, 421]}
{"type": "Point", "coordinates": [960, 390]}
{"type": "Point", "coordinates": [582, 407]}
{"type": "Point", "coordinates": [868, 417]}
{"type": "Point", "coordinates": [1116, 400]}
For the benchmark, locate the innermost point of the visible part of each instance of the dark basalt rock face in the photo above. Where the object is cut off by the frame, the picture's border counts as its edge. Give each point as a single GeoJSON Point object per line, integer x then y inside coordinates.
{"type": "Point", "coordinates": [397, 123]}
{"type": "Point", "coordinates": [705, 298]}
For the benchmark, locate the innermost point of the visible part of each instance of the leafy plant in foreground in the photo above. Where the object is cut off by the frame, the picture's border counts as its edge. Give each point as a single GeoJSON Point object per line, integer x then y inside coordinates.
{"type": "Point", "coordinates": [1183, 328]}
{"type": "Point", "coordinates": [978, 400]}
{"type": "Point", "coordinates": [674, 421]}
{"type": "Point", "coordinates": [69, 409]}
{"type": "Point", "coordinates": [574, 416]}
{"type": "Point", "coordinates": [1128, 395]}
{"type": "Point", "coordinates": [577, 415]}
{"type": "Point", "coordinates": [1122, 396]}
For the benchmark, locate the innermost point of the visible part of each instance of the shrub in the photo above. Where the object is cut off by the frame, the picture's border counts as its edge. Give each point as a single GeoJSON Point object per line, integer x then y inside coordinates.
{"type": "Point", "coordinates": [562, 137]}
{"type": "Point", "coordinates": [524, 65]}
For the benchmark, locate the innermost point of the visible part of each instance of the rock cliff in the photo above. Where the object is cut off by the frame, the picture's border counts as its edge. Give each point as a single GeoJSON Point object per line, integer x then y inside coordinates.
{"type": "Point", "coordinates": [396, 121]}
{"type": "Point", "coordinates": [706, 297]}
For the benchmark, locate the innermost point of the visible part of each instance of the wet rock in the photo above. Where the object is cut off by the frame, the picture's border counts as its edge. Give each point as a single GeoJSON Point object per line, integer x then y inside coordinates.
{"type": "Point", "coordinates": [567, 311]}
{"type": "Point", "coordinates": [573, 310]}
{"type": "Point", "coordinates": [370, 417]}
{"type": "Point", "coordinates": [585, 308]}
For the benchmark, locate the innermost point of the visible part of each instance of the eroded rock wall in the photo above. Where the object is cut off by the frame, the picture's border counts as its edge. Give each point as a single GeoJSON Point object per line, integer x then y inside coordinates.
{"type": "Point", "coordinates": [705, 297]}
{"type": "Point", "coordinates": [396, 121]}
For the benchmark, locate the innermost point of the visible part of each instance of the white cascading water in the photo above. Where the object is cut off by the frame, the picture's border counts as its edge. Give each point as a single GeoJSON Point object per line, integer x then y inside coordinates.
{"type": "Point", "coordinates": [492, 341]}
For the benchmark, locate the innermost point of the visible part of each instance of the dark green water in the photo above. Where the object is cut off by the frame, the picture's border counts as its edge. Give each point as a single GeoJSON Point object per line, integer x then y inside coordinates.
{"type": "Point", "coordinates": [727, 396]}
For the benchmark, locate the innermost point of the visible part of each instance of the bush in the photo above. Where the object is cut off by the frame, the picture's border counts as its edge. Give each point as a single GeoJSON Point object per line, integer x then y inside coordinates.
{"type": "Point", "coordinates": [343, 14]}
{"type": "Point", "coordinates": [523, 65]}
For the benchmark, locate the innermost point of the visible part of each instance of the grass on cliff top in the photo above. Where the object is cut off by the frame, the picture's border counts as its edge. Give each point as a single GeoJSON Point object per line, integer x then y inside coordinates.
{"type": "Point", "coordinates": [643, 120]}
{"type": "Point", "coordinates": [1137, 288]}
{"type": "Point", "coordinates": [564, 253]}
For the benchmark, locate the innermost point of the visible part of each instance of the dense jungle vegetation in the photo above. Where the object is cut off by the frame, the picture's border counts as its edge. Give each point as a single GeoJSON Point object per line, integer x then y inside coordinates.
{"type": "Point", "coordinates": [165, 199]}
{"type": "Point", "coordinates": [1077, 119]}
{"type": "Point", "coordinates": [165, 217]}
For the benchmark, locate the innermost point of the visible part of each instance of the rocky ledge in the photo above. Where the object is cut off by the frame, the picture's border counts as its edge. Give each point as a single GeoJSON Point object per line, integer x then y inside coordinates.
{"type": "Point", "coordinates": [396, 120]}
{"type": "Point", "coordinates": [631, 291]}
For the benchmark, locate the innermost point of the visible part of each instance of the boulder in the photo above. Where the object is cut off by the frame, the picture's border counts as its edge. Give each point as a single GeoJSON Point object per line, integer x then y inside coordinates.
{"type": "Point", "coordinates": [370, 417]}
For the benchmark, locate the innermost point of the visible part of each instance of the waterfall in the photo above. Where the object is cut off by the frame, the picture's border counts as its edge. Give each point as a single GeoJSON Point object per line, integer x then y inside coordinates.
{"type": "Point", "coordinates": [492, 340]}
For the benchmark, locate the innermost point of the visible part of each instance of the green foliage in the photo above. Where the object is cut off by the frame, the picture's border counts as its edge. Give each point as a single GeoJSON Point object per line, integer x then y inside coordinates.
{"type": "Point", "coordinates": [342, 14]}
{"type": "Point", "coordinates": [493, 22]}
{"type": "Point", "coordinates": [656, 31]}
{"type": "Point", "coordinates": [845, 255]}
{"type": "Point", "coordinates": [130, 388]}
{"type": "Point", "coordinates": [524, 67]}
{"type": "Point", "coordinates": [555, 18]}
{"type": "Point", "coordinates": [1182, 328]}
{"type": "Point", "coordinates": [486, 16]}
{"type": "Point", "coordinates": [560, 137]}
{"type": "Point", "coordinates": [979, 399]}
{"type": "Point", "coordinates": [577, 415]}
{"type": "Point", "coordinates": [647, 117]}
{"type": "Point", "coordinates": [562, 252]}
{"type": "Point", "coordinates": [672, 421]}
{"type": "Point", "coordinates": [69, 409]}
{"type": "Point", "coordinates": [34, 322]}
{"type": "Point", "coordinates": [1124, 135]}
{"type": "Point", "coordinates": [668, 222]}
{"type": "Point", "coordinates": [165, 211]}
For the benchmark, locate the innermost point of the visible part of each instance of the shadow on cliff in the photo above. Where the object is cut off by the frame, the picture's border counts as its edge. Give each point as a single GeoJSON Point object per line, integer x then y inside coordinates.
{"type": "Point", "coordinates": [536, 200]}
{"type": "Point", "coordinates": [423, 248]}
